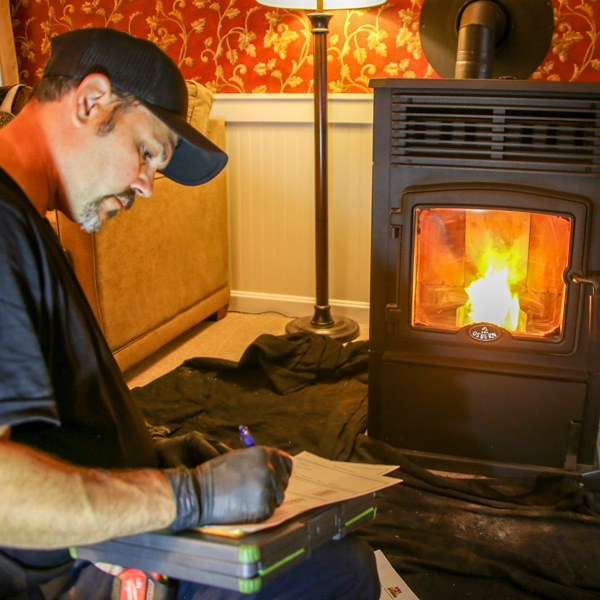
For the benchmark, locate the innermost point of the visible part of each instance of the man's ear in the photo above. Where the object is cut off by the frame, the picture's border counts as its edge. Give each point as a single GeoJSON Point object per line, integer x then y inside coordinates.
{"type": "Point", "coordinates": [91, 99]}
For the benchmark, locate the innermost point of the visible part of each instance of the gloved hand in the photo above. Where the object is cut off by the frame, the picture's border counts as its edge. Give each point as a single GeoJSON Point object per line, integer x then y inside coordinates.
{"type": "Point", "coordinates": [242, 486]}
{"type": "Point", "coordinates": [188, 450]}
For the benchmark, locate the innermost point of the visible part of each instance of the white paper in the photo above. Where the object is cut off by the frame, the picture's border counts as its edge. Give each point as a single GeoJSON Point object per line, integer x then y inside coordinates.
{"type": "Point", "coordinates": [316, 482]}
{"type": "Point", "coordinates": [392, 585]}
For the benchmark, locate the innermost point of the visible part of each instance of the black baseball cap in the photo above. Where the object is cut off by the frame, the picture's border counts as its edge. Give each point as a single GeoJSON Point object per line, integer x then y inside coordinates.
{"type": "Point", "coordinates": [140, 68]}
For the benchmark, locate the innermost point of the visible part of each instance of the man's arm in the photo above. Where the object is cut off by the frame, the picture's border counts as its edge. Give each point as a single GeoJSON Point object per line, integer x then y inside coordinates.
{"type": "Point", "coordinates": [46, 503]}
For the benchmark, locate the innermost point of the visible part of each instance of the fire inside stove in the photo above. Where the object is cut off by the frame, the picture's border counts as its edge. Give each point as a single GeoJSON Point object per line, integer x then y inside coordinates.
{"type": "Point", "coordinates": [502, 267]}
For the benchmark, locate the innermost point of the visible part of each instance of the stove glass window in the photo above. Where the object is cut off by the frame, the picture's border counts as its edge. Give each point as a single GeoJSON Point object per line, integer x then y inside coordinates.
{"type": "Point", "coordinates": [490, 266]}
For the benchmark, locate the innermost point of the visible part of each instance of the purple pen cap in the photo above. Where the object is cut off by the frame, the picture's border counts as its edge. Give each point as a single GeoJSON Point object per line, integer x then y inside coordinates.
{"type": "Point", "coordinates": [246, 436]}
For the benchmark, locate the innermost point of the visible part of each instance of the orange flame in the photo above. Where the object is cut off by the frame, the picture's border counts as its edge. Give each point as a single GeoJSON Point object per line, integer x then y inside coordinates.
{"type": "Point", "coordinates": [492, 298]}
{"type": "Point", "coordinates": [491, 301]}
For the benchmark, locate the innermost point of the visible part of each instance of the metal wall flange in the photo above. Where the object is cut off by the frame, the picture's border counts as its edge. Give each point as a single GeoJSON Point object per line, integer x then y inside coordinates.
{"type": "Point", "coordinates": [519, 52]}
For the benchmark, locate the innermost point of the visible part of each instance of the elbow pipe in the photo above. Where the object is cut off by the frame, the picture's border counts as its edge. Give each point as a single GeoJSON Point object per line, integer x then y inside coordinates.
{"type": "Point", "coordinates": [482, 24]}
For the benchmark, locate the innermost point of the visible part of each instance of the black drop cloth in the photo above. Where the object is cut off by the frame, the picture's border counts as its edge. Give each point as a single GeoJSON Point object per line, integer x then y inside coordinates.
{"type": "Point", "coordinates": [294, 392]}
{"type": "Point", "coordinates": [505, 539]}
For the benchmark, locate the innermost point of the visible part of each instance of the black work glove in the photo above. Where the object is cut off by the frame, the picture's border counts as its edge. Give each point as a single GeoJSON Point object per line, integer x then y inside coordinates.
{"type": "Point", "coordinates": [242, 486]}
{"type": "Point", "coordinates": [188, 450]}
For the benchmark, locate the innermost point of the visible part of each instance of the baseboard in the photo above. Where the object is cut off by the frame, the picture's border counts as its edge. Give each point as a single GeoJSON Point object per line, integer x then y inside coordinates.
{"type": "Point", "coordinates": [295, 306]}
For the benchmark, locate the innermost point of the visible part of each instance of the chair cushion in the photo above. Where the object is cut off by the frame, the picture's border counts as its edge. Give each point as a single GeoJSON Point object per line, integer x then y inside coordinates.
{"type": "Point", "coordinates": [199, 104]}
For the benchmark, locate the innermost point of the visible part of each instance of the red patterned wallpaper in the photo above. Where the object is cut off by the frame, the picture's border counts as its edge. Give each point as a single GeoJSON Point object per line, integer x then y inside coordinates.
{"type": "Point", "coordinates": [239, 46]}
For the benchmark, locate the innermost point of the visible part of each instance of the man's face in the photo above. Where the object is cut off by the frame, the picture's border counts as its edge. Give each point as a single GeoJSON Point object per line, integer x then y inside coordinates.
{"type": "Point", "coordinates": [118, 166]}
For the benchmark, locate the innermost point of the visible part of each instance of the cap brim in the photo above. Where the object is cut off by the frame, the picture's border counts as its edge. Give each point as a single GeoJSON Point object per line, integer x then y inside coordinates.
{"type": "Point", "coordinates": [196, 159]}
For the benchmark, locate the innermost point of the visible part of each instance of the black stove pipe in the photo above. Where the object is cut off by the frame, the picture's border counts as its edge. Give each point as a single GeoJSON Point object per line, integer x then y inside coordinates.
{"type": "Point", "coordinates": [483, 24]}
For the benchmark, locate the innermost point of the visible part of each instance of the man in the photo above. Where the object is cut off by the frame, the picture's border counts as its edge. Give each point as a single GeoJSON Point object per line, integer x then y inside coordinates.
{"type": "Point", "coordinates": [77, 464]}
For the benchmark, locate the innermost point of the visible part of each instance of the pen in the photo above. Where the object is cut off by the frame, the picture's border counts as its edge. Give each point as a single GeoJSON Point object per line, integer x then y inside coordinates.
{"type": "Point", "coordinates": [246, 436]}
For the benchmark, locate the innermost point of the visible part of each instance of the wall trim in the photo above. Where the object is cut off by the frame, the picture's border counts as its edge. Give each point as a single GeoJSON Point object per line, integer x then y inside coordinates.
{"type": "Point", "coordinates": [292, 108]}
{"type": "Point", "coordinates": [295, 306]}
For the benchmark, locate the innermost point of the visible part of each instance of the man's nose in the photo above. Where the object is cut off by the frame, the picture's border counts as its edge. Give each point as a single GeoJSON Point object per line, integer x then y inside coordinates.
{"type": "Point", "coordinates": [144, 184]}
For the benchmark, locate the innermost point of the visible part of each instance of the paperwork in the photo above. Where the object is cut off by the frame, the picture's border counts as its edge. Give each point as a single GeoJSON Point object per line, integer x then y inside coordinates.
{"type": "Point", "coordinates": [316, 482]}
{"type": "Point", "coordinates": [392, 585]}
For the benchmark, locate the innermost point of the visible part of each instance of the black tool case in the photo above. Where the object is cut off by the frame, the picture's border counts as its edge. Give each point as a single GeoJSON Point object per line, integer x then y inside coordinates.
{"type": "Point", "coordinates": [243, 564]}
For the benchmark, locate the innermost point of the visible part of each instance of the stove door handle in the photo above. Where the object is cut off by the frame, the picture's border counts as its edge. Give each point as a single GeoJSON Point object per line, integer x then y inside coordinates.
{"type": "Point", "coordinates": [594, 331]}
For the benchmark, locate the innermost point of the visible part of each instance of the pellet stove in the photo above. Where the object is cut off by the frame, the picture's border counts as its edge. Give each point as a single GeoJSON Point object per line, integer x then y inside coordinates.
{"type": "Point", "coordinates": [485, 305]}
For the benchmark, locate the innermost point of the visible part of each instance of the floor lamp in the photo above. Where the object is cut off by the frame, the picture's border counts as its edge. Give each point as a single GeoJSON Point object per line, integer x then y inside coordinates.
{"type": "Point", "coordinates": [322, 322]}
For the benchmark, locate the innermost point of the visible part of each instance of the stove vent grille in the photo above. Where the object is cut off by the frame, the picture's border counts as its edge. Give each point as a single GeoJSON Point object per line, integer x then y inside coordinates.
{"type": "Point", "coordinates": [503, 132]}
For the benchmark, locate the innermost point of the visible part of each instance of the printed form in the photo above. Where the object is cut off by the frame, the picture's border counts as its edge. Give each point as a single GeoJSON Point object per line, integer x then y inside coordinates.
{"type": "Point", "coordinates": [392, 585]}
{"type": "Point", "coordinates": [316, 482]}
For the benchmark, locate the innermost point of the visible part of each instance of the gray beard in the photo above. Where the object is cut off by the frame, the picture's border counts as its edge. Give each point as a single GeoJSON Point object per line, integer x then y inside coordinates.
{"type": "Point", "coordinates": [90, 219]}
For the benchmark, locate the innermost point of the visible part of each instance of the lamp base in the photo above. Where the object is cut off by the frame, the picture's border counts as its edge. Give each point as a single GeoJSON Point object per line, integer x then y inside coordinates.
{"type": "Point", "coordinates": [340, 328]}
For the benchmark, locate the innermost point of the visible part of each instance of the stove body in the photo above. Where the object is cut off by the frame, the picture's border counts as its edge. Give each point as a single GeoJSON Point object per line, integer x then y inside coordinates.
{"type": "Point", "coordinates": [486, 190]}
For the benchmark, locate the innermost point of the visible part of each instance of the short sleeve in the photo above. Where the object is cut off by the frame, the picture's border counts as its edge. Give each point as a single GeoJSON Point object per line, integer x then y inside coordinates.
{"type": "Point", "coordinates": [26, 392]}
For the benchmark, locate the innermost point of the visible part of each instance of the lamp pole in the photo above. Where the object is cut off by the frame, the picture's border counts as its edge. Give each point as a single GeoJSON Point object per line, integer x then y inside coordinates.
{"type": "Point", "coordinates": [320, 22]}
{"type": "Point", "coordinates": [322, 322]}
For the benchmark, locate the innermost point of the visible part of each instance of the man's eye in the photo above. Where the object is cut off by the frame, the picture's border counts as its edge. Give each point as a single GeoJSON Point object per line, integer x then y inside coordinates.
{"type": "Point", "coordinates": [146, 155]}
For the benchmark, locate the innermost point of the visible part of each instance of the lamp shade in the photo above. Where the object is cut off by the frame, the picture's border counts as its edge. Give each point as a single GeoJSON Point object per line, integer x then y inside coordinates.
{"type": "Point", "coordinates": [327, 4]}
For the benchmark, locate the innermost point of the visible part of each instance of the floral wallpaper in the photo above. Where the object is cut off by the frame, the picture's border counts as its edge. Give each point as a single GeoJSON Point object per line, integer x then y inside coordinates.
{"type": "Point", "coordinates": [240, 46]}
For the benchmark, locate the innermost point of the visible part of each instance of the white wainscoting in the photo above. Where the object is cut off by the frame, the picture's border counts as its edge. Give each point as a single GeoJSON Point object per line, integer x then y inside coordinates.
{"type": "Point", "coordinates": [270, 141]}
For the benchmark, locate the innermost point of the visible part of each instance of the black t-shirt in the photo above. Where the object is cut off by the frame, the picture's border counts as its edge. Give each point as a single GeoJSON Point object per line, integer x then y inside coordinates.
{"type": "Point", "coordinates": [61, 390]}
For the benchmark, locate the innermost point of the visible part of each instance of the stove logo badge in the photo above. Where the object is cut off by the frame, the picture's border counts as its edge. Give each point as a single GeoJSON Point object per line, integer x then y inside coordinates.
{"type": "Point", "coordinates": [484, 333]}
